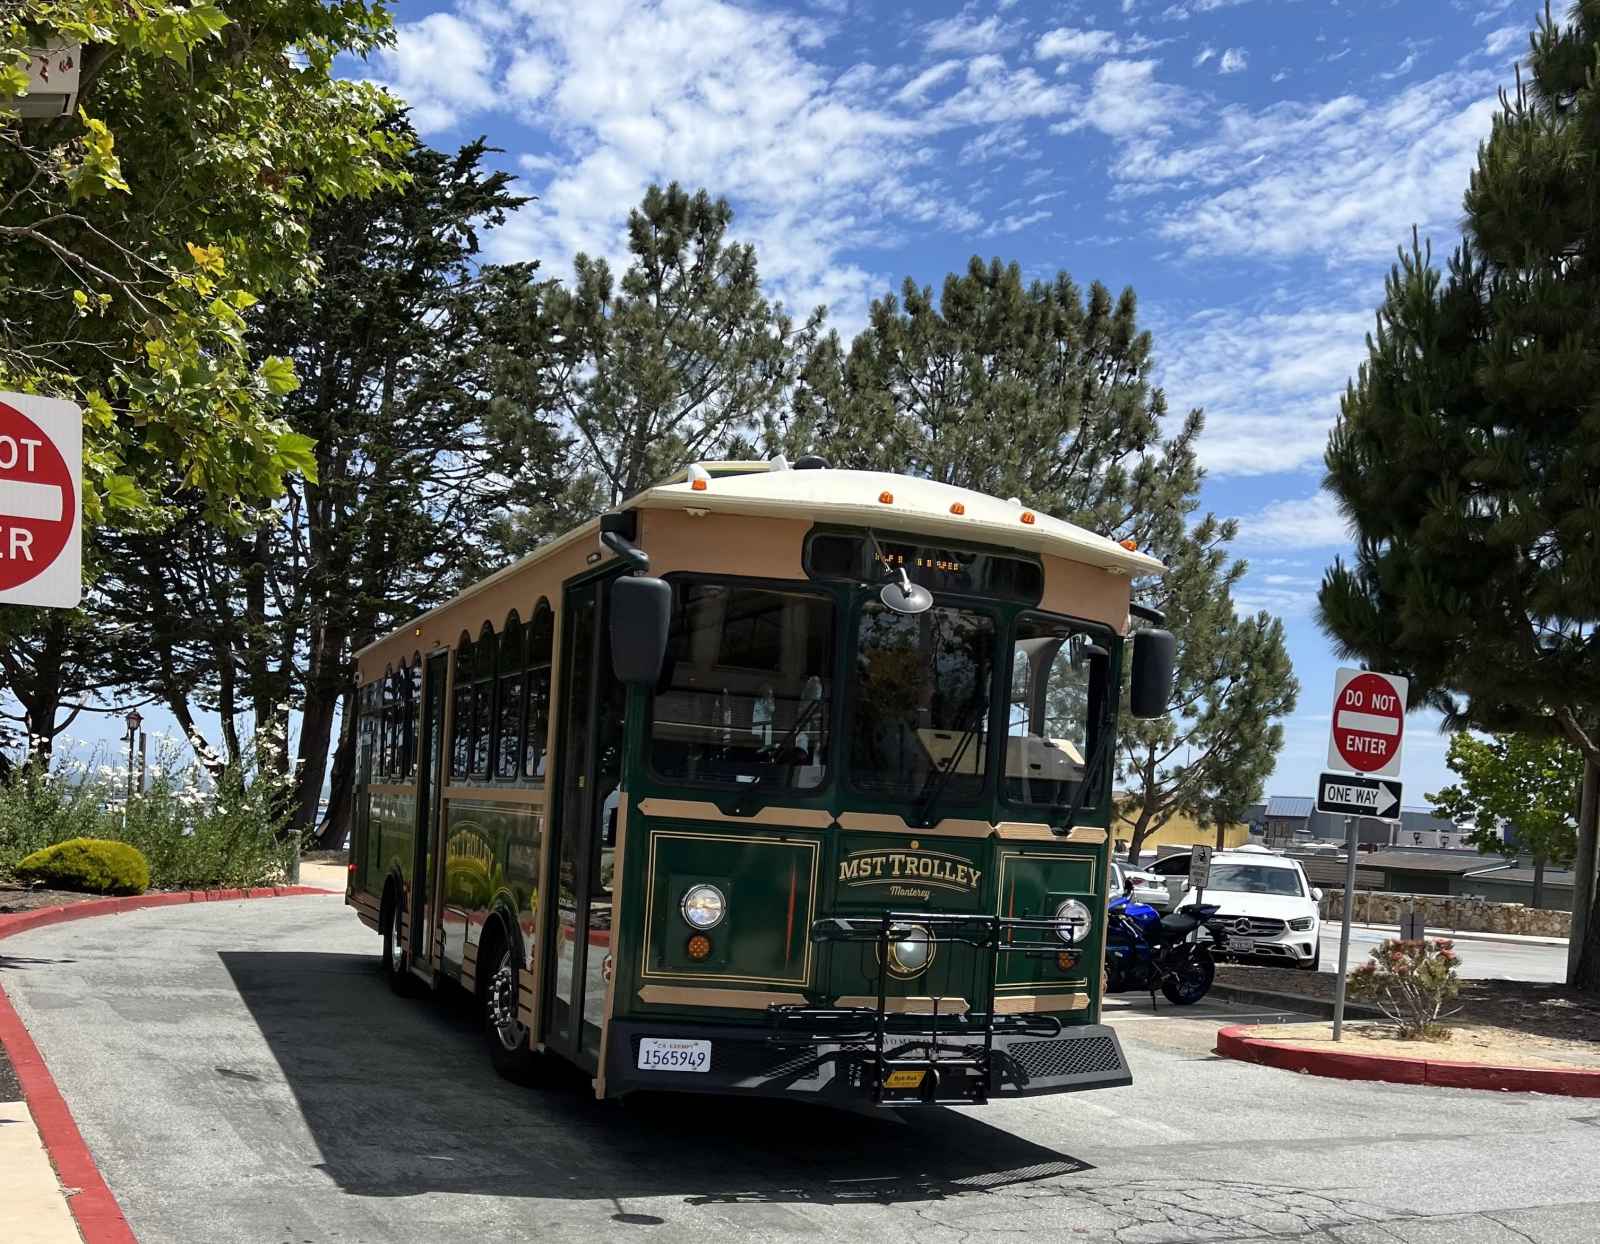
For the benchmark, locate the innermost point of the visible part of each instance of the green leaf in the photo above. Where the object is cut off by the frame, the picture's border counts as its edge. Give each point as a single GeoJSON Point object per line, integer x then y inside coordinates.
{"type": "Point", "coordinates": [279, 374]}
{"type": "Point", "coordinates": [297, 453]}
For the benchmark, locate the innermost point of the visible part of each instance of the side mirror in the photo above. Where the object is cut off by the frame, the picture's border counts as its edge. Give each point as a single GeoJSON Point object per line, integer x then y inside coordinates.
{"type": "Point", "coordinates": [1316, 894]}
{"type": "Point", "coordinates": [641, 613]}
{"type": "Point", "coordinates": [1154, 655]}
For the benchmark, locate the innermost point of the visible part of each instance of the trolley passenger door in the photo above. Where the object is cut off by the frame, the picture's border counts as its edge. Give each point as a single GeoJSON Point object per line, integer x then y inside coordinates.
{"type": "Point", "coordinates": [589, 772]}
{"type": "Point", "coordinates": [430, 759]}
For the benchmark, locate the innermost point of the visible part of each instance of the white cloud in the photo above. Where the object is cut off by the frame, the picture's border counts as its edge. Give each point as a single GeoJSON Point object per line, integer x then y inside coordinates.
{"type": "Point", "coordinates": [1234, 60]}
{"type": "Point", "coordinates": [1182, 11]}
{"type": "Point", "coordinates": [1312, 522]}
{"type": "Point", "coordinates": [1330, 178]}
{"type": "Point", "coordinates": [1400, 70]}
{"type": "Point", "coordinates": [1269, 379]}
{"type": "Point", "coordinates": [1205, 54]}
{"type": "Point", "coordinates": [440, 65]}
{"type": "Point", "coordinates": [1067, 43]}
{"type": "Point", "coordinates": [1014, 223]}
{"type": "Point", "coordinates": [1503, 40]}
{"type": "Point", "coordinates": [914, 90]}
{"type": "Point", "coordinates": [1126, 101]}
{"type": "Point", "coordinates": [965, 34]}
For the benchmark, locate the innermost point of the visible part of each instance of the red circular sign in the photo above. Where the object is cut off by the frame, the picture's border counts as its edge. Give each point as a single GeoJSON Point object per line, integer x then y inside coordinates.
{"type": "Point", "coordinates": [1368, 722]}
{"type": "Point", "coordinates": [38, 499]}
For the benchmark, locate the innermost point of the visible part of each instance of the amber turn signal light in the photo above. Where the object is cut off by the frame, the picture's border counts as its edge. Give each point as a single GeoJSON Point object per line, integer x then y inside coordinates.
{"type": "Point", "coordinates": [1066, 960]}
{"type": "Point", "coordinates": [886, 497]}
{"type": "Point", "coordinates": [1130, 545]}
{"type": "Point", "coordinates": [957, 508]}
{"type": "Point", "coordinates": [1027, 517]}
{"type": "Point", "coordinates": [698, 947]}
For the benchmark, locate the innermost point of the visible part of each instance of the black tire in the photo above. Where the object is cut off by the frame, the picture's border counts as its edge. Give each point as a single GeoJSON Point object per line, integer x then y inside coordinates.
{"type": "Point", "coordinates": [507, 1036]}
{"type": "Point", "coordinates": [1190, 981]}
{"type": "Point", "coordinates": [396, 963]}
{"type": "Point", "coordinates": [1313, 964]}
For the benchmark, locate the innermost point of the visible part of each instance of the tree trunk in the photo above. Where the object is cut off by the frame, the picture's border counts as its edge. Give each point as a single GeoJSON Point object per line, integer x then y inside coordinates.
{"type": "Point", "coordinates": [1538, 882]}
{"type": "Point", "coordinates": [1583, 950]}
{"type": "Point", "coordinates": [316, 732]}
{"type": "Point", "coordinates": [341, 784]}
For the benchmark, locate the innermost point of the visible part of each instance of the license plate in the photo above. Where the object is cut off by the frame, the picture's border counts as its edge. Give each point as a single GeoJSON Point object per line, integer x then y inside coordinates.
{"type": "Point", "coordinates": [673, 1054]}
{"type": "Point", "coordinates": [1242, 945]}
{"type": "Point", "coordinates": [904, 1079]}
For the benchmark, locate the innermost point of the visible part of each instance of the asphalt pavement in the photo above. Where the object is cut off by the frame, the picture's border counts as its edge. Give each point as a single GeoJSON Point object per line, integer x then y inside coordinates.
{"type": "Point", "coordinates": [242, 1074]}
{"type": "Point", "coordinates": [1531, 960]}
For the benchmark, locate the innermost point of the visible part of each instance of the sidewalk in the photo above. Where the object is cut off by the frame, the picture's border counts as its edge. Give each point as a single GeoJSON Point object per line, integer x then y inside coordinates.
{"type": "Point", "coordinates": [33, 1209]}
{"type": "Point", "coordinates": [1394, 929]}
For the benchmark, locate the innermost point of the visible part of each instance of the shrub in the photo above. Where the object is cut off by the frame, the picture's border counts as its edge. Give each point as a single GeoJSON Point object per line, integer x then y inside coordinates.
{"type": "Point", "coordinates": [1411, 982]}
{"type": "Point", "coordinates": [95, 865]}
{"type": "Point", "coordinates": [38, 808]}
{"type": "Point", "coordinates": [198, 839]}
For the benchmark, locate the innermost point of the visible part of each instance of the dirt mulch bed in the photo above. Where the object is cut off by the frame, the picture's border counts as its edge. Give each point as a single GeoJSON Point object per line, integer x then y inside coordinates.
{"type": "Point", "coordinates": [14, 898]}
{"type": "Point", "coordinates": [1468, 1043]}
{"type": "Point", "coordinates": [1526, 1007]}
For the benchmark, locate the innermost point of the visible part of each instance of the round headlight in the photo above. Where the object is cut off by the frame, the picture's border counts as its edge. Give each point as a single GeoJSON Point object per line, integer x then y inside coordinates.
{"type": "Point", "coordinates": [911, 951]}
{"type": "Point", "coordinates": [1072, 922]}
{"type": "Point", "coordinates": [704, 907]}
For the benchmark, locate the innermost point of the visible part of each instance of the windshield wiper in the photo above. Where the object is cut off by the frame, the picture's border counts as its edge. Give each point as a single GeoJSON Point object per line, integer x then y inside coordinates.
{"type": "Point", "coordinates": [1091, 773]}
{"type": "Point", "coordinates": [938, 779]}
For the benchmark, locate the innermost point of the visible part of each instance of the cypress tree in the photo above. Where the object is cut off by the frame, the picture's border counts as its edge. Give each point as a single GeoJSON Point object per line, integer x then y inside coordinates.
{"type": "Point", "coordinates": [1467, 451]}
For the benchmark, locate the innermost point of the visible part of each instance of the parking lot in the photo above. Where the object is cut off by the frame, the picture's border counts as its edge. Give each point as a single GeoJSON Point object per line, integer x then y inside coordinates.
{"type": "Point", "coordinates": [242, 1074]}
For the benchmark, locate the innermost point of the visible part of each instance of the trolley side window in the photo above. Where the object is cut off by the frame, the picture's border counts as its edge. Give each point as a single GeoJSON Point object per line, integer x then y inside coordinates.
{"type": "Point", "coordinates": [745, 695]}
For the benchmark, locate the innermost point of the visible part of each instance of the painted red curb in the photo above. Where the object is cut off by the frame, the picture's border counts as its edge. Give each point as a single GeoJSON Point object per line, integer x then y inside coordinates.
{"type": "Point", "coordinates": [92, 1203]}
{"type": "Point", "coordinates": [1233, 1043]}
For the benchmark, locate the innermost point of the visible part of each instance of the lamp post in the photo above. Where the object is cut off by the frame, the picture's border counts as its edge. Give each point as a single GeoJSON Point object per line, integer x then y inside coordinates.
{"type": "Point", "coordinates": [134, 721]}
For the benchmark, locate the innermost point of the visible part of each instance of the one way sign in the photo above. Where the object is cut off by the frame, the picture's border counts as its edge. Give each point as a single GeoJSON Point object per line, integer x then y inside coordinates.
{"type": "Point", "coordinates": [1357, 796]}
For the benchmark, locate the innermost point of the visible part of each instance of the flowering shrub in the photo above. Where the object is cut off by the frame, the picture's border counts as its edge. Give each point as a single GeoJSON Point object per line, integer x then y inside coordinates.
{"type": "Point", "coordinates": [196, 833]}
{"type": "Point", "coordinates": [1411, 982]}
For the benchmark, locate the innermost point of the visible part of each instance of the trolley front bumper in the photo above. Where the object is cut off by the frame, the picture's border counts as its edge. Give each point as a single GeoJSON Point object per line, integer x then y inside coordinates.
{"type": "Point", "coordinates": [746, 1061]}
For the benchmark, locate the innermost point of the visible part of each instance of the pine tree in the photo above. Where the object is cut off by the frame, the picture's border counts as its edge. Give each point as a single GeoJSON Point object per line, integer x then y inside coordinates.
{"type": "Point", "coordinates": [1467, 451]}
{"type": "Point", "coordinates": [1036, 392]}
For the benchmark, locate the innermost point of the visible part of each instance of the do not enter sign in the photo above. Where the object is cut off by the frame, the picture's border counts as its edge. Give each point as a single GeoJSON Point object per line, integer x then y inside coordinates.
{"type": "Point", "coordinates": [1369, 720]}
{"type": "Point", "coordinates": [41, 520]}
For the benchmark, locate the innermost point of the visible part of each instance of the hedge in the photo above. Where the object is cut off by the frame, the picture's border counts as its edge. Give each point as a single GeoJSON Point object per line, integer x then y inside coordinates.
{"type": "Point", "coordinates": [94, 865]}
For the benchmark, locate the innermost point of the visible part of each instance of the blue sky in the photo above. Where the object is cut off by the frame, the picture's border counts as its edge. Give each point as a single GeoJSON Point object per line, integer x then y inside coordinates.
{"type": "Point", "coordinates": [1248, 166]}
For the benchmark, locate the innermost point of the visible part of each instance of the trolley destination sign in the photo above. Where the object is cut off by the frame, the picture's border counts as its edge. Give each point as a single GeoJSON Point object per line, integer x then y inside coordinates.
{"type": "Point", "coordinates": [1344, 795]}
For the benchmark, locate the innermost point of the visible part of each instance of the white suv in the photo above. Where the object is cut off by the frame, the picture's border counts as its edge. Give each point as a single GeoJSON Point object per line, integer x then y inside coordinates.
{"type": "Point", "coordinates": [1267, 912]}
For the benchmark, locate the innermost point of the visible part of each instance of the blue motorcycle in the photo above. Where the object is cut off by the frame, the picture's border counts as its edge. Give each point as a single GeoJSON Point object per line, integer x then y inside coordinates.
{"type": "Point", "coordinates": [1145, 949]}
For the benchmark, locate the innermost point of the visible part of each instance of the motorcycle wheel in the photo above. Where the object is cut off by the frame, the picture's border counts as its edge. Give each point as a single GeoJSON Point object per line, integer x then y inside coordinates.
{"type": "Point", "coordinates": [1190, 981]}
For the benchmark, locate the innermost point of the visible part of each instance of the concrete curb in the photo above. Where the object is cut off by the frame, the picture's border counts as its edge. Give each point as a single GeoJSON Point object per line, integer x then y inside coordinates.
{"type": "Point", "coordinates": [1233, 1043]}
{"type": "Point", "coordinates": [1318, 1008]}
{"type": "Point", "coordinates": [94, 1207]}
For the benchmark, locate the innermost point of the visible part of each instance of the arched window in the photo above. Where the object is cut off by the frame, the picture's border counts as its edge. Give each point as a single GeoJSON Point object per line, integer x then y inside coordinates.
{"type": "Point", "coordinates": [388, 744]}
{"type": "Point", "coordinates": [511, 679]}
{"type": "Point", "coordinates": [482, 701]}
{"type": "Point", "coordinates": [540, 635]}
{"type": "Point", "coordinates": [461, 708]}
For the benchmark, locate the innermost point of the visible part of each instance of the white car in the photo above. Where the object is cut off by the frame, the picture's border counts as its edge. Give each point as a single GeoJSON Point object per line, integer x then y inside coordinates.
{"type": "Point", "coordinates": [1147, 887]}
{"type": "Point", "coordinates": [1267, 911]}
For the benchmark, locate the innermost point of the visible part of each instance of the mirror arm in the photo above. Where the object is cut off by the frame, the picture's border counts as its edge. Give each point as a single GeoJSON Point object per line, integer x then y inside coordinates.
{"type": "Point", "coordinates": [626, 549]}
{"type": "Point", "coordinates": [1146, 614]}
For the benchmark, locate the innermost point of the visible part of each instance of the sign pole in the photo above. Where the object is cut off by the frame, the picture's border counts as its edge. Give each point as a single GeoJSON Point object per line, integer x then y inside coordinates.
{"type": "Point", "coordinates": [1344, 925]}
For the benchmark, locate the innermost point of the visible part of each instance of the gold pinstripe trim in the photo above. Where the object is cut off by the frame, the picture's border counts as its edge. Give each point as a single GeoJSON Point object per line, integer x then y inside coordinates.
{"type": "Point", "coordinates": [736, 999]}
{"type": "Point", "coordinates": [888, 823]}
{"type": "Point", "coordinates": [699, 810]}
{"type": "Point", "coordinates": [1027, 1004]}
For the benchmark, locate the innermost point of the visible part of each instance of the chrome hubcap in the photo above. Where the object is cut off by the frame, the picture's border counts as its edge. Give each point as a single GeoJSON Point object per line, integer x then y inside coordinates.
{"type": "Point", "coordinates": [502, 1002]}
{"type": "Point", "coordinates": [397, 952]}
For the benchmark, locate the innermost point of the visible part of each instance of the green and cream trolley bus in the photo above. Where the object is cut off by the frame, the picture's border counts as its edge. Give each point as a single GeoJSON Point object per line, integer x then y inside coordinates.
{"type": "Point", "coordinates": [778, 781]}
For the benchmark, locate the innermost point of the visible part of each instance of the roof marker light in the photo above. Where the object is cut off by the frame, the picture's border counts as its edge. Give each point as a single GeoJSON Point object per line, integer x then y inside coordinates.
{"type": "Point", "coordinates": [1027, 517]}
{"type": "Point", "coordinates": [699, 477]}
{"type": "Point", "coordinates": [886, 497]}
{"type": "Point", "coordinates": [1130, 544]}
{"type": "Point", "coordinates": [957, 508]}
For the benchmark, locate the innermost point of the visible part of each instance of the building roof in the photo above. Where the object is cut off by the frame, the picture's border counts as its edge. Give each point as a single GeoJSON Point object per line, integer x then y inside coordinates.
{"type": "Point", "coordinates": [1561, 878]}
{"type": "Point", "coordinates": [1287, 806]}
{"type": "Point", "coordinates": [854, 498]}
{"type": "Point", "coordinates": [1458, 862]}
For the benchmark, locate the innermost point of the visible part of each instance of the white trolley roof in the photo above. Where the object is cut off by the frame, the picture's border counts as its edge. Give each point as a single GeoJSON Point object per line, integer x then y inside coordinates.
{"type": "Point", "coordinates": [849, 498]}
{"type": "Point", "coordinates": [854, 498]}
